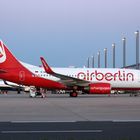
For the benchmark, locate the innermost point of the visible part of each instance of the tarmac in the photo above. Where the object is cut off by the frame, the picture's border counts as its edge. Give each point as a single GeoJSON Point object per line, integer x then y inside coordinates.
{"type": "Point", "coordinates": [59, 116]}
{"type": "Point", "coordinates": [62, 108]}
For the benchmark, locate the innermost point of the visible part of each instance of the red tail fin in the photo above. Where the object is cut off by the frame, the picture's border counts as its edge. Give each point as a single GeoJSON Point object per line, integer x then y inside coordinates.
{"type": "Point", "coordinates": [7, 59]}
{"type": "Point", "coordinates": [12, 70]}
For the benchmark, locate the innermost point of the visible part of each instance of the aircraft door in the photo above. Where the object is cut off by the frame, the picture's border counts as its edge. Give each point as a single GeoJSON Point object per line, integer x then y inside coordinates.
{"type": "Point", "coordinates": [21, 75]}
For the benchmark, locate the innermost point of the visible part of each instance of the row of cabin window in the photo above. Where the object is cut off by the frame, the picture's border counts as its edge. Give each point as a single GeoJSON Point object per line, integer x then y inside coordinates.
{"type": "Point", "coordinates": [48, 75]}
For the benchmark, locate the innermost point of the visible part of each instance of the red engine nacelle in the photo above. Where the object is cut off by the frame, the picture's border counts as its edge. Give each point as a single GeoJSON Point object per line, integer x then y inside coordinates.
{"type": "Point", "coordinates": [100, 88]}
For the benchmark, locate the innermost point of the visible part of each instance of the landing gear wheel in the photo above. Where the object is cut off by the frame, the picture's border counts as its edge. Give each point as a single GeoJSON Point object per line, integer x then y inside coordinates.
{"type": "Point", "coordinates": [73, 94]}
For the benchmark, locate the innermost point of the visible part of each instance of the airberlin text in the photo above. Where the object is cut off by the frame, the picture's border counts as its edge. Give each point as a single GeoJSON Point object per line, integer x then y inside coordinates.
{"type": "Point", "coordinates": [108, 76]}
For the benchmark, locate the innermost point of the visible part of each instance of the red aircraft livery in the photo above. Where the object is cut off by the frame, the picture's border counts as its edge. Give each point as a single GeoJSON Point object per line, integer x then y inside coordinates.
{"type": "Point", "coordinates": [87, 80]}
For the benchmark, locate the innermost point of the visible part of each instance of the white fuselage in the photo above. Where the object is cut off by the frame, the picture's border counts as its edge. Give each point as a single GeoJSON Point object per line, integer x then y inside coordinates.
{"type": "Point", "coordinates": [118, 78]}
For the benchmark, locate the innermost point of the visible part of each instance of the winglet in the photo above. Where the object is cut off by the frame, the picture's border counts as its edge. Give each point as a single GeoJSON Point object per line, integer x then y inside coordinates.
{"type": "Point", "coordinates": [46, 66]}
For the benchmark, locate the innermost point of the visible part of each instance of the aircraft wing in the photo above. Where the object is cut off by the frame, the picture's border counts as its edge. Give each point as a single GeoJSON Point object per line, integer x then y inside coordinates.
{"type": "Point", "coordinates": [67, 80]}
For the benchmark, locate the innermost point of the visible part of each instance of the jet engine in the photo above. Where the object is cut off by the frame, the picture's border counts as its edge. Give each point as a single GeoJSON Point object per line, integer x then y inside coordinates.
{"type": "Point", "coordinates": [99, 88]}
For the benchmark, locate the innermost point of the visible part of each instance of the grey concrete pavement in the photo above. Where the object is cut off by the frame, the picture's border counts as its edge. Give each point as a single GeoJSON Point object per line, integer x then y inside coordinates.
{"type": "Point", "coordinates": [61, 108]}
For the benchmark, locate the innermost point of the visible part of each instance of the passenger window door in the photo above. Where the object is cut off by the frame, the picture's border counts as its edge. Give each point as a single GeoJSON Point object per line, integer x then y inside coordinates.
{"type": "Point", "coordinates": [21, 75]}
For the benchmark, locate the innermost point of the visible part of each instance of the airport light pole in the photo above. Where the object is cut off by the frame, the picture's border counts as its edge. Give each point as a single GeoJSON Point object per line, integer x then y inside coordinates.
{"type": "Point", "coordinates": [113, 46]}
{"type": "Point", "coordinates": [88, 62]}
{"type": "Point", "coordinates": [124, 52]}
{"type": "Point", "coordinates": [105, 54]}
{"type": "Point", "coordinates": [92, 61]}
{"type": "Point", "coordinates": [98, 59]}
{"type": "Point", "coordinates": [137, 49]}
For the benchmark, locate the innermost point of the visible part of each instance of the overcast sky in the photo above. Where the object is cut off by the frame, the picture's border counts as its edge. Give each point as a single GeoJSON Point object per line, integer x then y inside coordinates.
{"type": "Point", "coordinates": [66, 32]}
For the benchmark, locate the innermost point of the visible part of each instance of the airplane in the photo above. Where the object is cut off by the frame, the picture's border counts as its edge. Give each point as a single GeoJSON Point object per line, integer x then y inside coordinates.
{"type": "Point", "coordinates": [87, 80]}
{"type": "Point", "coordinates": [13, 86]}
{"type": "Point", "coordinates": [6, 85]}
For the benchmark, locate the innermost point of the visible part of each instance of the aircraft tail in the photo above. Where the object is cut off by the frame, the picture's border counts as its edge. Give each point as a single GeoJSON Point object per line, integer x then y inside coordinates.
{"type": "Point", "coordinates": [7, 59]}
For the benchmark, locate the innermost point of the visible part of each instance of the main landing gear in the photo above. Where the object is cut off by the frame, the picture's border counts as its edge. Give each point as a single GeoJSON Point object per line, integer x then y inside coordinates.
{"type": "Point", "coordinates": [73, 94]}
